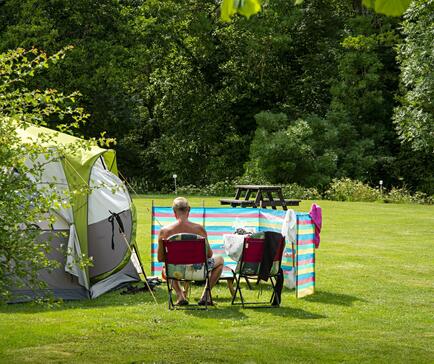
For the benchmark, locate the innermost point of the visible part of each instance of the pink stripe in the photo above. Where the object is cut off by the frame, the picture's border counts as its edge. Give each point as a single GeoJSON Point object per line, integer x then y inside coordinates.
{"type": "Point", "coordinates": [305, 242]}
{"type": "Point", "coordinates": [219, 233]}
{"type": "Point", "coordinates": [303, 262]}
{"type": "Point", "coordinates": [160, 214]}
{"type": "Point", "coordinates": [306, 280]}
{"type": "Point", "coordinates": [235, 214]}
{"type": "Point", "coordinates": [305, 222]}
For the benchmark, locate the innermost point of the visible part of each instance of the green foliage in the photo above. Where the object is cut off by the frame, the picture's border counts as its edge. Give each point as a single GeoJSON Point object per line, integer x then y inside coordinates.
{"type": "Point", "coordinates": [403, 195]}
{"type": "Point", "coordinates": [388, 7]}
{"type": "Point", "coordinates": [295, 191]}
{"type": "Point", "coordinates": [346, 189]}
{"type": "Point", "coordinates": [24, 199]}
{"type": "Point", "coordinates": [415, 116]}
{"type": "Point", "coordinates": [244, 7]}
{"type": "Point", "coordinates": [180, 89]}
{"type": "Point", "coordinates": [297, 152]}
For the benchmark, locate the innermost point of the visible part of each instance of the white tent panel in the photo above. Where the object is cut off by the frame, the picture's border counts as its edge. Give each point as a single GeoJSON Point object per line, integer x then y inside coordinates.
{"type": "Point", "coordinates": [52, 173]}
{"type": "Point", "coordinates": [108, 194]}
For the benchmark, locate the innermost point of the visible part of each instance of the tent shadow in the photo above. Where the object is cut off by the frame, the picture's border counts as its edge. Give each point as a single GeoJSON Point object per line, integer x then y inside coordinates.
{"type": "Point", "coordinates": [108, 300]}
{"type": "Point", "coordinates": [332, 298]}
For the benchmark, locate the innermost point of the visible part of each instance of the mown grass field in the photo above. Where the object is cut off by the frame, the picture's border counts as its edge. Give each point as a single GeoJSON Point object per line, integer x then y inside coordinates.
{"type": "Point", "coordinates": [374, 303]}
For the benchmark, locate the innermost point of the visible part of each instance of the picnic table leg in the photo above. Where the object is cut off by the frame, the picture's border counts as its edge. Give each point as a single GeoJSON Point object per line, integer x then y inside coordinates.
{"type": "Point", "coordinates": [258, 199]}
{"type": "Point", "coordinates": [270, 197]}
{"type": "Point", "coordinates": [282, 199]}
{"type": "Point", "coordinates": [237, 196]}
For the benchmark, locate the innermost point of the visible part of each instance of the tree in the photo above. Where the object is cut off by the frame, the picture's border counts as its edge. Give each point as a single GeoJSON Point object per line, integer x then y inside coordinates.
{"type": "Point", "coordinates": [23, 200]}
{"type": "Point", "coordinates": [414, 118]}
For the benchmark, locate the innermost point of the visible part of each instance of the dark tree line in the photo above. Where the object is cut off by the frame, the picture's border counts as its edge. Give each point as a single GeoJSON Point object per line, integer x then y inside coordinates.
{"type": "Point", "coordinates": [294, 94]}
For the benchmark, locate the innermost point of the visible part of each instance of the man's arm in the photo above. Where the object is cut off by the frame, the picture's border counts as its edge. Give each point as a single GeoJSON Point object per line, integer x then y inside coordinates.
{"type": "Point", "coordinates": [161, 236]}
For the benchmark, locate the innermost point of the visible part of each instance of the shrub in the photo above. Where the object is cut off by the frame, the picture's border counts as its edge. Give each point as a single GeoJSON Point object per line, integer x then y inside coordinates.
{"type": "Point", "coordinates": [402, 195]}
{"type": "Point", "coordinates": [189, 190]}
{"type": "Point", "coordinates": [294, 190]}
{"type": "Point", "coordinates": [346, 189]}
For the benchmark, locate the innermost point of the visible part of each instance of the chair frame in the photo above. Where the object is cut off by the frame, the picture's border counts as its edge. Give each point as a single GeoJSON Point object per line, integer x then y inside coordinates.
{"type": "Point", "coordinates": [239, 274]}
{"type": "Point", "coordinates": [169, 280]}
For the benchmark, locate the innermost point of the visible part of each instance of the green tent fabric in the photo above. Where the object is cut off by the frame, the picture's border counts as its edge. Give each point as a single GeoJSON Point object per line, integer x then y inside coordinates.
{"type": "Point", "coordinates": [78, 161]}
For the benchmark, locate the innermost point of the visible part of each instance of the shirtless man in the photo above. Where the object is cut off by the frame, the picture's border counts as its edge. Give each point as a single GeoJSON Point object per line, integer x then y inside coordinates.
{"type": "Point", "coordinates": [181, 209]}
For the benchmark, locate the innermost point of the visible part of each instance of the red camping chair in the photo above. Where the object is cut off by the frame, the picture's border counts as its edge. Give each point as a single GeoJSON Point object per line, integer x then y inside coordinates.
{"type": "Point", "coordinates": [249, 267]}
{"type": "Point", "coordinates": [185, 261]}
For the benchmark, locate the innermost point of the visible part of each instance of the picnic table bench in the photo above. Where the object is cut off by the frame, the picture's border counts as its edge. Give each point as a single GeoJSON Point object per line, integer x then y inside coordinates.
{"type": "Point", "coordinates": [262, 197]}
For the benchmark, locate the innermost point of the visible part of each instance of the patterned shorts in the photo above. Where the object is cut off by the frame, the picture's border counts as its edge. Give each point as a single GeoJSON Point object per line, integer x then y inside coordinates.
{"type": "Point", "coordinates": [211, 263]}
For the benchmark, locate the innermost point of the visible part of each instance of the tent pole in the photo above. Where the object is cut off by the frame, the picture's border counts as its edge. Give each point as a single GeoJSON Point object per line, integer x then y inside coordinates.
{"type": "Point", "coordinates": [141, 265]}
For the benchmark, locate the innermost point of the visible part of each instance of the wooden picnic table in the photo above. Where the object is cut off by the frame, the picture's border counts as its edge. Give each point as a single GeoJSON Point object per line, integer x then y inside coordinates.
{"type": "Point", "coordinates": [262, 196]}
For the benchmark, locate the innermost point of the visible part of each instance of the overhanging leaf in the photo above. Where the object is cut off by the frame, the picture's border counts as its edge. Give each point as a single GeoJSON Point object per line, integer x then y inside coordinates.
{"type": "Point", "coordinates": [388, 7]}
{"type": "Point", "coordinates": [243, 7]}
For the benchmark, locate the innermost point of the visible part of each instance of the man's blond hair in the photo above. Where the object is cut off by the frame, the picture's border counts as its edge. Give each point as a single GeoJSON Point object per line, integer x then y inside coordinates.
{"type": "Point", "coordinates": [180, 204]}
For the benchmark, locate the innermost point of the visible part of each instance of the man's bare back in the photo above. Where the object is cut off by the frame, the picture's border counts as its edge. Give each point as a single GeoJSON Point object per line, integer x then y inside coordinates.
{"type": "Point", "coordinates": [179, 227]}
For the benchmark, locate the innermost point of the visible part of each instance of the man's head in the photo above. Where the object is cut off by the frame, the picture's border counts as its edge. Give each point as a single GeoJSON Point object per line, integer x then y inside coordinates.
{"type": "Point", "coordinates": [180, 206]}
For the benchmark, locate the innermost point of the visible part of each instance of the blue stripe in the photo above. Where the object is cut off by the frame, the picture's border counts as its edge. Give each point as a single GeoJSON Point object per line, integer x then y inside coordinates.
{"type": "Point", "coordinates": [305, 256]}
{"type": "Point", "coordinates": [303, 216]}
{"type": "Point", "coordinates": [304, 276]}
{"type": "Point", "coordinates": [301, 237]}
{"type": "Point", "coordinates": [307, 266]}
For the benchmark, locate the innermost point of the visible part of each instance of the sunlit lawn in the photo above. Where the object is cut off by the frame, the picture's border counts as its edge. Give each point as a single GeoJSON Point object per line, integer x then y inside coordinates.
{"type": "Point", "coordinates": [374, 303]}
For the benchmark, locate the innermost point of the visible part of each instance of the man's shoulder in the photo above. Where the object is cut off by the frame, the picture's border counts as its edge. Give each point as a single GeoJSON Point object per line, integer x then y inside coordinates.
{"type": "Point", "coordinates": [197, 228]}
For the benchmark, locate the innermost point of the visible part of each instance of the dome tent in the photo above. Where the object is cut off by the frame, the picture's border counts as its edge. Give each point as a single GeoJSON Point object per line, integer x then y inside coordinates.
{"type": "Point", "coordinates": [87, 228]}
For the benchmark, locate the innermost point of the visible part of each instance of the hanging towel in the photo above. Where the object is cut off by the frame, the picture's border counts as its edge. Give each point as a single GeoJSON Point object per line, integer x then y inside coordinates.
{"type": "Point", "coordinates": [289, 226]}
{"type": "Point", "coordinates": [316, 215]}
{"type": "Point", "coordinates": [271, 244]}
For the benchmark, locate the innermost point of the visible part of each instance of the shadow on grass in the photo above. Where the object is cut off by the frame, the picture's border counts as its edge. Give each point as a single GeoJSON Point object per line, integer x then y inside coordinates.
{"type": "Point", "coordinates": [236, 312]}
{"type": "Point", "coordinates": [332, 298]}
{"type": "Point", "coordinates": [111, 299]}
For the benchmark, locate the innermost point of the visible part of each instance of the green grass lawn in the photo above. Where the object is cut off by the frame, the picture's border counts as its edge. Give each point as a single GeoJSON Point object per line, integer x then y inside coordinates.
{"type": "Point", "coordinates": [374, 303]}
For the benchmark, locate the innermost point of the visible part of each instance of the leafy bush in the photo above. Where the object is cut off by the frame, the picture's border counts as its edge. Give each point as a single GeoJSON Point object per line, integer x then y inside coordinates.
{"type": "Point", "coordinates": [346, 189]}
{"type": "Point", "coordinates": [296, 191]}
{"type": "Point", "coordinates": [189, 190]}
{"type": "Point", "coordinates": [402, 195]}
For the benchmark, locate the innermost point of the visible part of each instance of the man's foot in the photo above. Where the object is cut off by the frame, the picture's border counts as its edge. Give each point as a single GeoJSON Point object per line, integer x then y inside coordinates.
{"type": "Point", "coordinates": [182, 302]}
{"type": "Point", "coordinates": [203, 302]}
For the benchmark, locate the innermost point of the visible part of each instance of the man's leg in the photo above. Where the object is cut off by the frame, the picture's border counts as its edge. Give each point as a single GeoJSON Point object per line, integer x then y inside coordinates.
{"type": "Point", "coordinates": [214, 276]}
{"type": "Point", "coordinates": [179, 291]}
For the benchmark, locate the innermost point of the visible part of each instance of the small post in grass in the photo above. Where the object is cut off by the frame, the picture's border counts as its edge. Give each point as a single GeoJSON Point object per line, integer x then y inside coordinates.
{"type": "Point", "coordinates": [174, 179]}
{"type": "Point", "coordinates": [381, 188]}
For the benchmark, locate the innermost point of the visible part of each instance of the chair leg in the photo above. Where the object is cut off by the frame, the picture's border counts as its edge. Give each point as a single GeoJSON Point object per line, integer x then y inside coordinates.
{"type": "Point", "coordinates": [248, 283]}
{"type": "Point", "coordinates": [241, 294]}
{"type": "Point", "coordinates": [208, 293]}
{"type": "Point", "coordinates": [274, 292]}
{"type": "Point", "coordinates": [237, 288]}
{"type": "Point", "coordinates": [169, 291]}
